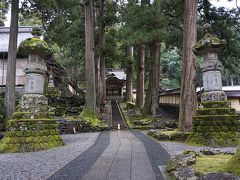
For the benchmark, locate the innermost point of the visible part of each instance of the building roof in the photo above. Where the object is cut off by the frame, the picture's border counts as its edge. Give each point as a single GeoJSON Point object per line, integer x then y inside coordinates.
{"type": "Point", "coordinates": [231, 91]}
{"type": "Point", "coordinates": [23, 33]}
{"type": "Point", "coordinates": [118, 73]}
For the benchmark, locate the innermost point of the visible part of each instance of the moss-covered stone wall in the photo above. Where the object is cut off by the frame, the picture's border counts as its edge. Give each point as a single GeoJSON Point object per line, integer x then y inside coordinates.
{"type": "Point", "coordinates": [29, 131]}
{"type": "Point", "coordinates": [216, 123]}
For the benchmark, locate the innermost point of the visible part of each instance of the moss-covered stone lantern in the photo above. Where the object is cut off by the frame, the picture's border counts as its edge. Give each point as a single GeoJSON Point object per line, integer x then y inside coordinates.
{"type": "Point", "coordinates": [208, 47]}
{"type": "Point", "coordinates": [215, 122]}
{"type": "Point", "coordinates": [33, 127]}
{"type": "Point", "coordinates": [36, 50]}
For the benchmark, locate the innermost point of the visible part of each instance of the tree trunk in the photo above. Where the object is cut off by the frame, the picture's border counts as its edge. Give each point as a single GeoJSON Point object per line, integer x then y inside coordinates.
{"type": "Point", "coordinates": [98, 83]}
{"type": "Point", "coordinates": [156, 78]}
{"type": "Point", "coordinates": [90, 96]}
{"type": "Point", "coordinates": [188, 96]}
{"type": "Point", "coordinates": [148, 98]}
{"type": "Point", "coordinates": [102, 55]}
{"type": "Point", "coordinates": [140, 76]}
{"type": "Point", "coordinates": [129, 55]}
{"type": "Point", "coordinates": [232, 82]}
{"type": "Point", "coordinates": [9, 101]}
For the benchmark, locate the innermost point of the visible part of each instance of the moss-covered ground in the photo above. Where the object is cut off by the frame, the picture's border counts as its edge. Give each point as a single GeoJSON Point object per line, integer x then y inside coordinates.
{"type": "Point", "coordinates": [214, 163]}
{"type": "Point", "coordinates": [92, 119]}
{"type": "Point", "coordinates": [135, 119]}
{"type": "Point", "coordinates": [170, 132]}
{"type": "Point", "coordinates": [233, 165]}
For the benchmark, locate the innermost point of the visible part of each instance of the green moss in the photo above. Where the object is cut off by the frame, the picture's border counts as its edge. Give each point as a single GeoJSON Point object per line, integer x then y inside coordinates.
{"type": "Point", "coordinates": [34, 46]}
{"type": "Point", "coordinates": [213, 138]}
{"type": "Point", "coordinates": [21, 115]}
{"type": "Point", "coordinates": [209, 164]}
{"type": "Point", "coordinates": [218, 111]}
{"type": "Point", "coordinates": [233, 165]}
{"type": "Point", "coordinates": [52, 91]}
{"type": "Point", "coordinates": [216, 104]}
{"type": "Point", "coordinates": [90, 117]}
{"type": "Point", "coordinates": [209, 42]}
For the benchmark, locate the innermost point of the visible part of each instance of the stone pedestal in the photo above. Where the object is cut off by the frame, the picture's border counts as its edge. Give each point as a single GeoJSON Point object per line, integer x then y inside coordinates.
{"type": "Point", "coordinates": [212, 79]}
{"type": "Point", "coordinates": [34, 84]}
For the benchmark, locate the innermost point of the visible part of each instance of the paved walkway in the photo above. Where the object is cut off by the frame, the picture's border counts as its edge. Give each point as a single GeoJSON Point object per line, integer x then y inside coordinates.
{"type": "Point", "coordinates": [124, 159]}
{"type": "Point", "coordinates": [112, 155]}
{"type": "Point", "coordinates": [42, 164]}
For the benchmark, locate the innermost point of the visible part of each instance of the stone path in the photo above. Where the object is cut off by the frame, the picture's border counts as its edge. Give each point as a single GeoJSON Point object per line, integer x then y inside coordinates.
{"type": "Point", "coordinates": [116, 116]}
{"type": "Point", "coordinates": [125, 158]}
{"type": "Point", "coordinates": [115, 155]}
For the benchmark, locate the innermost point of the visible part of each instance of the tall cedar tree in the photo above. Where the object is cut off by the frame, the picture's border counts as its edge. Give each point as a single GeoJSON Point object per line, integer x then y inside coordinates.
{"type": "Point", "coordinates": [140, 76]}
{"type": "Point", "coordinates": [188, 97]}
{"type": "Point", "coordinates": [90, 96]}
{"type": "Point", "coordinates": [102, 53]}
{"type": "Point", "coordinates": [9, 101]}
{"type": "Point", "coordinates": [156, 77]}
{"type": "Point", "coordinates": [129, 88]}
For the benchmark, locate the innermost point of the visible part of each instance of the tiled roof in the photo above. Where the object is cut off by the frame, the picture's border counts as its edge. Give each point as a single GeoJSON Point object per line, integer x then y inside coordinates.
{"type": "Point", "coordinates": [119, 73]}
{"type": "Point", "coordinates": [23, 33]}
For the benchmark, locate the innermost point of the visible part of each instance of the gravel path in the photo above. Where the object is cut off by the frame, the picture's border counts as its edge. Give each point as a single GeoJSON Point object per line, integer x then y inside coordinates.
{"type": "Point", "coordinates": [176, 147]}
{"type": "Point", "coordinates": [42, 164]}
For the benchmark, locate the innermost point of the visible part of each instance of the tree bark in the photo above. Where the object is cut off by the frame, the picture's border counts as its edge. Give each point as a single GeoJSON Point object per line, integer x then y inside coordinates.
{"type": "Point", "coordinates": [102, 54]}
{"type": "Point", "coordinates": [90, 96]}
{"type": "Point", "coordinates": [140, 76]}
{"type": "Point", "coordinates": [9, 101]}
{"type": "Point", "coordinates": [188, 96]}
{"type": "Point", "coordinates": [156, 78]}
{"type": "Point", "coordinates": [129, 55]}
{"type": "Point", "coordinates": [148, 98]}
{"type": "Point", "coordinates": [98, 83]}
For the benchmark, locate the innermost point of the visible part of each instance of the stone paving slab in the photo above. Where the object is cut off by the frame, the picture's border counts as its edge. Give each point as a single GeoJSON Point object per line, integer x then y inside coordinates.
{"type": "Point", "coordinates": [157, 155]}
{"type": "Point", "coordinates": [80, 165]}
{"type": "Point", "coordinates": [42, 164]}
{"type": "Point", "coordinates": [124, 159]}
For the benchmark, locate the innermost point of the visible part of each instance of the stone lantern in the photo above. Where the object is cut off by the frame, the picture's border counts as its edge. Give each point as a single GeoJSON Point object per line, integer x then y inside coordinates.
{"type": "Point", "coordinates": [36, 50]}
{"type": "Point", "coordinates": [215, 122]}
{"type": "Point", "coordinates": [208, 47]}
{"type": "Point", "coordinates": [32, 127]}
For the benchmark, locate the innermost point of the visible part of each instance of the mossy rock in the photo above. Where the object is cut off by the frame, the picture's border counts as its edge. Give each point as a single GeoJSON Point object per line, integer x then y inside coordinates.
{"type": "Point", "coordinates": [25, 135]}
{"type": "Point", "coordinates": [216, 139]}
{"type": "Point", "coordinates": [216, 104]}
{"type": "Point", "coordinates": [215, 117]}
{"type": "Point", "coordinates": [216, 111]}
{"type": "Point", "coordinates": [130, 105]}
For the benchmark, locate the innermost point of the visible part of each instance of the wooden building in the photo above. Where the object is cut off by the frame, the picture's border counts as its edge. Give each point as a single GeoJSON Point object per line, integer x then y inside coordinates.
{"type": "Point", "coordinates": [171, 98]}
{"type": "Point", "coordinates": [115, 83]}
